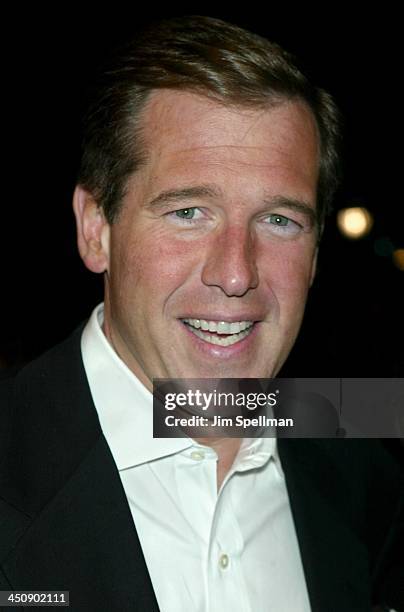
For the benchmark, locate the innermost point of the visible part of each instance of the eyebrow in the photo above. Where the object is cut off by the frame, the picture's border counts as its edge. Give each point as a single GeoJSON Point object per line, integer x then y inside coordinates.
{"type": "Point", "coordinates": [210, 191]}
{"type": "Point", "coordinates": [186, 193]}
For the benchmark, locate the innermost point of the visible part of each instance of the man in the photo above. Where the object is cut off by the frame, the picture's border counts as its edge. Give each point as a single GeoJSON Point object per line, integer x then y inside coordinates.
{"type": "Point", "coordinates": [209, 163]}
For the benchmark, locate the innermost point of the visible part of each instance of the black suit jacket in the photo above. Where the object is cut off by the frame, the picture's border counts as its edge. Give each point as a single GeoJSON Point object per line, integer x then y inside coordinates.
{"type": "Point", "coordinates": [65, 523]}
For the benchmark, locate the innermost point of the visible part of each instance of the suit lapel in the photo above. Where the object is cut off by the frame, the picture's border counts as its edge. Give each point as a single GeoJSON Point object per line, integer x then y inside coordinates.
{"type": "Point", "coordinates": [334, 559]}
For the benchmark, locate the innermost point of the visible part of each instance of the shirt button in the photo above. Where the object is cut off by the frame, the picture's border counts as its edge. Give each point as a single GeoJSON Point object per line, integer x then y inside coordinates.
{"type": "Point", "coordinates": [223, 561]}
{"type": "Point", "coordinates": [197, 455]}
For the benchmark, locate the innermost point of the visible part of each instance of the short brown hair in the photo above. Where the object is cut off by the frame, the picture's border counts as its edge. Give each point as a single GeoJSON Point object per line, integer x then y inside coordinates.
{"type": "Point", "coordinates": [209, 57]}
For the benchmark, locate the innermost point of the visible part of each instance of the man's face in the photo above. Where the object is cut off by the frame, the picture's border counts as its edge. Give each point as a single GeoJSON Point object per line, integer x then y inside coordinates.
{"type": "Point", "coordinates": [216, 231]}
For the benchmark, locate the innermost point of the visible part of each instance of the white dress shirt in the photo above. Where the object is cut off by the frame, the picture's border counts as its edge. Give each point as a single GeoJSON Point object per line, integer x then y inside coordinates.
{"type": "Point", "coordinates": [229, 551]}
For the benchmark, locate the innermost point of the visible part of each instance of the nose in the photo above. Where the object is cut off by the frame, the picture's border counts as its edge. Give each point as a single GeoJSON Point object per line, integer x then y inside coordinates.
{"type": "Point", "coordinates": [231, 262]}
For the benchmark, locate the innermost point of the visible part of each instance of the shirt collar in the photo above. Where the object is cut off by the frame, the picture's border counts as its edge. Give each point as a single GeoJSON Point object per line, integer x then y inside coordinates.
{"type": "Point", "coordinates": [256, 452]}
{"type": "Point", "coordinates": [125, 407]}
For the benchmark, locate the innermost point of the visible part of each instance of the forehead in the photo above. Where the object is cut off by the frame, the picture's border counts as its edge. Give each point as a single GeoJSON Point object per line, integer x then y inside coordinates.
{"type": "Point", "coordinates": [180, 122]}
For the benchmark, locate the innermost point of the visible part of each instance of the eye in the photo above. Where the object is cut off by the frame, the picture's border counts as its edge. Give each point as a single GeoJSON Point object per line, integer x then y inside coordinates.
{"type": "Point", "coordinates": [186, 216]}
{"type": "Point", "coordinates": [283, 226]}
{"type": "Point", "coordinates": [279, 220]}
{"type": "Point", "coordinates": [186, 213]}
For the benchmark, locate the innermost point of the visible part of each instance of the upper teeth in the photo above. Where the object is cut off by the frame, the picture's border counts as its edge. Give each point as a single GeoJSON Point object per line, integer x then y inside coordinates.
{"type": "Point", "coordinates": [220, 327]}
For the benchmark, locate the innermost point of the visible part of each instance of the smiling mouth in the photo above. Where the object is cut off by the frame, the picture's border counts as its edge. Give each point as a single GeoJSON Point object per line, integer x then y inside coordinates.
{"type": "Point", "coordinates": [221, 333]}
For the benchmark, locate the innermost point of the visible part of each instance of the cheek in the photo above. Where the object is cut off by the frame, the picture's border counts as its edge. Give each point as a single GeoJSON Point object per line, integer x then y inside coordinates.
{"type": "Point", "coordinates": [288, 273]}
{"type": "Point", "coordinates": [154, 267]}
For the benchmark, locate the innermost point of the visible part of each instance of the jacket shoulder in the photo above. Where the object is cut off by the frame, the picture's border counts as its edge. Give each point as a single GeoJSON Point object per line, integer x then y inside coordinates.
{"type": "Point", "coordinates": [47, 423]}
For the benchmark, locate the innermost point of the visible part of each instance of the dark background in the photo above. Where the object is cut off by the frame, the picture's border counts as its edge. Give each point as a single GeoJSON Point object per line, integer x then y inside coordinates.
{"type": "Point", "coordinates": [354, 322]}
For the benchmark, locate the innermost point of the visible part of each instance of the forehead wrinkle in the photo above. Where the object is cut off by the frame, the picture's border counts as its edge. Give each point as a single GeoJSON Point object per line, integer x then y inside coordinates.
{"type": "Point", "coordinates": [233, 164]}
{"type": "Point", "coordinates": [226, 146]}
{"type": "Point", "coordinates": [207, 153]}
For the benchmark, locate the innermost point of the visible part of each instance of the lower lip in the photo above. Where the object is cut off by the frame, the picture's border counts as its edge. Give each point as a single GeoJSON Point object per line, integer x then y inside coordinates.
{"type": "Point", "coordinates": [223, 352]}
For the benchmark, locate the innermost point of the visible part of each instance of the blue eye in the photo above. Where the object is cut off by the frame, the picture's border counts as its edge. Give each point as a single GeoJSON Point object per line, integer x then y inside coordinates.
{"type": "Point", "coordinates": [279, 220]}
{"type": "Point", "coordinates": [185, 213]}
{"type": "Point", "coordinates": [283, 226]}
{"type": "Point", "coordinates": [187, 216]}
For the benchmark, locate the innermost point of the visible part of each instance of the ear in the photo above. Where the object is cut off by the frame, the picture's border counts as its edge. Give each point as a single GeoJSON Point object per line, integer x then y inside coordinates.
{"type": "Point", "coordinates": [313, 267]}
{"type": "Point", "coordinates": [93, 231]}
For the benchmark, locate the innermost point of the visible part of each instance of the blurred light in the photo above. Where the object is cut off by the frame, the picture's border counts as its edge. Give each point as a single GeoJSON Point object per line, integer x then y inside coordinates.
{"type": "Point", "coordinates": [354, 222]}
{"type": "Point", "coordinates": [398, 258]}
{"type": "Point", "coordinates": [384, 247]}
